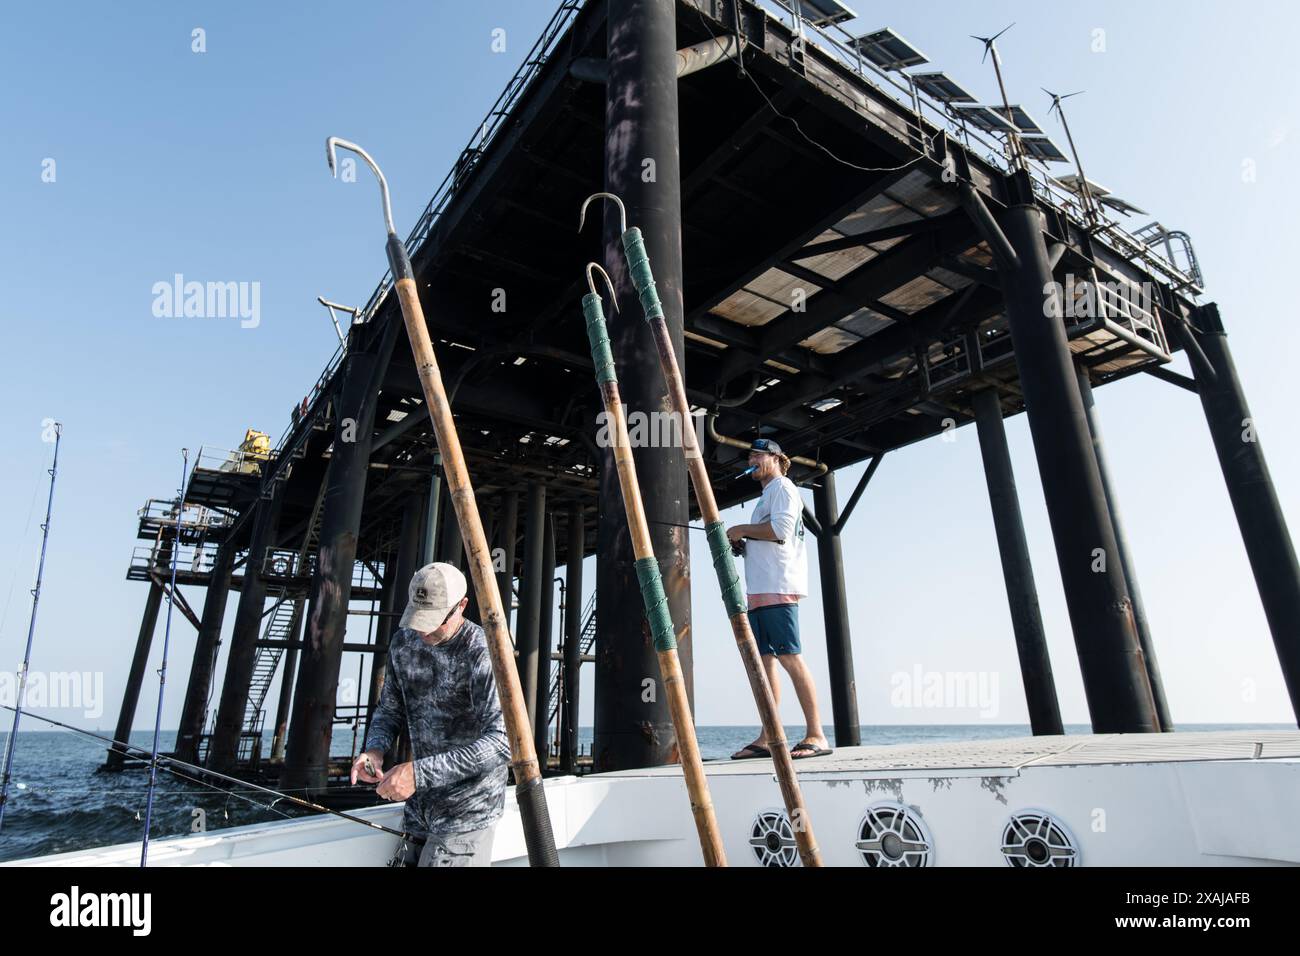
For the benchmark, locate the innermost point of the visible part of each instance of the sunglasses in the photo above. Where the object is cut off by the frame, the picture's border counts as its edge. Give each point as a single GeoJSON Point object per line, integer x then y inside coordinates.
{"type": "Point", "coordinates": [450, 614]}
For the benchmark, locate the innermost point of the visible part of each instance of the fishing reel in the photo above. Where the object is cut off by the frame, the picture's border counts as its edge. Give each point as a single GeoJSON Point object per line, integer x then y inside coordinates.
{"type": "Point", "coordinates": [407, 853]}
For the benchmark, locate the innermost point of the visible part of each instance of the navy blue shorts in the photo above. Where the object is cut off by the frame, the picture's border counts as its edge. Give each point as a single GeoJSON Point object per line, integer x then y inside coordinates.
{"type": "Point", "coordinates": [776, 628]}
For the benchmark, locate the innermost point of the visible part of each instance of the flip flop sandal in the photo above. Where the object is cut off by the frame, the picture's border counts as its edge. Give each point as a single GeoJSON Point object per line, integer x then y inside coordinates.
{"type": "Point", "coordinates": [752, 752]}
{"type": "Point", "coordinates": [805, 750]}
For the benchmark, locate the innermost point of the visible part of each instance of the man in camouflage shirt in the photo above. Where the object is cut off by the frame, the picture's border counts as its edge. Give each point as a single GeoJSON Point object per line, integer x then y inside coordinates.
{"type": "Point", "coordinates": [439, 686]}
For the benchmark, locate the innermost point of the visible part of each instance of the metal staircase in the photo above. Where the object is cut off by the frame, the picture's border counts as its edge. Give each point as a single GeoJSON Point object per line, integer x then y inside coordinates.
{"type": "Point", "coordinates": [282, 625]}
{"type": "Point", "coordinates": [585, 639]}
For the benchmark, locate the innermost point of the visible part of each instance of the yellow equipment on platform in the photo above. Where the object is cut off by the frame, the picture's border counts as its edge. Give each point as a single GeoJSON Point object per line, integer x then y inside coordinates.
{"type": "Point", "coordinates": [255, 448]}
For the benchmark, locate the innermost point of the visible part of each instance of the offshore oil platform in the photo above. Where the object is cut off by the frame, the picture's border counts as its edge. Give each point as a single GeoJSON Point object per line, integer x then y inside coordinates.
{"type": "Point", "coordinates": [854, 254]}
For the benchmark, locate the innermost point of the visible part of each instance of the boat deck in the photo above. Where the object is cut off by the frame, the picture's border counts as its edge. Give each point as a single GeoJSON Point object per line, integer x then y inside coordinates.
{"type": "Point", "coordinates": [1018, 753]}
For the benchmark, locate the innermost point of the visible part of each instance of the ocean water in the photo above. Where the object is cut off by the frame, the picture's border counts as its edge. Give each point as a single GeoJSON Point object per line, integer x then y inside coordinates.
{"type": "Point", "coordinates": [59, 803]}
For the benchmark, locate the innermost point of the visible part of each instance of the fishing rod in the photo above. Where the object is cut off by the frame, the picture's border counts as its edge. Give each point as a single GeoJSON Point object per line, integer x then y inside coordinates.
{"type": "Point", "coordinates": [733, 599]}
{"type": "Point", "coordinates": [529, 792]}
{"type": "Point", "coordinates": [162, 670]}
{"type": "Point", "coordinates": [31, 629]}
{"type": "Point", "coordinates": [647, 572]}
{"type": "Point", "coordinates": [695, 527]}
{"type": "Point", "coordinates": [167, 763]}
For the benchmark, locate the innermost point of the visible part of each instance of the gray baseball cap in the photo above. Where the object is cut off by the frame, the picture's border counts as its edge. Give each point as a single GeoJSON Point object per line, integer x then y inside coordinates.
{"type": "Point", "coordinates": [767, 445]}
{"type": "Point", "coordinates": [435, 590]}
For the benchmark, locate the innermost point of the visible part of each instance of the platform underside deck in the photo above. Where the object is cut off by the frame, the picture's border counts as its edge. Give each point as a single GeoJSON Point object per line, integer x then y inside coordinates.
{"type": "Point", "coordinates": [844, 305]}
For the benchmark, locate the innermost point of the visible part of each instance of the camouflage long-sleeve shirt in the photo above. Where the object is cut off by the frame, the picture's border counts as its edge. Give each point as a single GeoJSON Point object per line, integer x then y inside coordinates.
{"type": "Point", "coordinates": [446, 696]}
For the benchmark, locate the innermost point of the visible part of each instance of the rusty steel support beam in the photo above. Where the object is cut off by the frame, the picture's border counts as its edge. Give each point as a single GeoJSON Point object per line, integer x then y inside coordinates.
{"type": "Point", "coordinates": [634, 727]}
{"type": "Point", "coordinates": [306, 761]}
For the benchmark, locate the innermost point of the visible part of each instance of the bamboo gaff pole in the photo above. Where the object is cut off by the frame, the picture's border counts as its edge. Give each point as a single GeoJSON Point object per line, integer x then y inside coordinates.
{"type": "Point", "coordinates": [529, 792]}
{"type": "Point", "coordinates": [723, 562]}
{"type": "Point", "coordinates": [647, 572]}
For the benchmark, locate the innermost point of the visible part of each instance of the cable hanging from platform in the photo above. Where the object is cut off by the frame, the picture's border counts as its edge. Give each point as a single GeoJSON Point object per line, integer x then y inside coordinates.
{"type": "Point", "coordinates": [928, 142]}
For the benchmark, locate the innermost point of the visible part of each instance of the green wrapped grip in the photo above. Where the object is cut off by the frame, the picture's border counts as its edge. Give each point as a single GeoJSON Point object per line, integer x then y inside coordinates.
{"type": "Point", "coordinates": [638, 264]}
{"type": "Point", "coordinates": [733, 598]}
{"type": "Point", "coordinates": [656, 604]}
{"type": "Point", "coordinates": [598, 336]}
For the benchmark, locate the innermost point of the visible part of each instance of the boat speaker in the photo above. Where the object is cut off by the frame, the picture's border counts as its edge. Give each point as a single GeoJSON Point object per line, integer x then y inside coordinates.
{"type": "Point", "coordinates": [772, 839]}
{"type": "Point", "coordinates": [893, 834]}
{"type": "Point", "coordinates": [1036, 838]}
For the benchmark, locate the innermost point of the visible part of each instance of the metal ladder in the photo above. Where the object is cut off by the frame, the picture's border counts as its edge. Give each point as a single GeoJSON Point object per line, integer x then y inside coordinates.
{"type": "Point", "coordinates": [282, 623]}
{"type": "Point", "coordinates": [585, 639]}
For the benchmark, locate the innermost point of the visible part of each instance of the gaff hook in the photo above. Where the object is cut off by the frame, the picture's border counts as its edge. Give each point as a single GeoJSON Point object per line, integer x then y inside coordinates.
{"type": "Point", "coordinates": [622, 212]}
{"type": "Point", "coordinates": [383, 183]}
{"type": "Point", "coordinates": [591, 282]}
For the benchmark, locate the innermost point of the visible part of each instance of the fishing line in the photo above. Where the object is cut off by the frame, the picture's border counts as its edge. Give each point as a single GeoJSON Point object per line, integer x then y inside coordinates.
{"type": "Point", "coordinates": [165, 761]}
{"type": "Point", "coordinates": [229, 793]}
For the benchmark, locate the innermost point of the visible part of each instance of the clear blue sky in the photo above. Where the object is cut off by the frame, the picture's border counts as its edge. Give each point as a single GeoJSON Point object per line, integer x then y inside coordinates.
{"type": "Point", "coordinates": [212, 165]}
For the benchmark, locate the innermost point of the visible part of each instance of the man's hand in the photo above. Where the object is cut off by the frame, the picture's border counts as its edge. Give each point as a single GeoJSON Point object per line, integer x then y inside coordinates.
{"type": "Point", "coordinates": [759, 532]}
{"type": "Point", "coordinates": [398, 783]}
{"type": "Point", "coordinates": [368, 767]}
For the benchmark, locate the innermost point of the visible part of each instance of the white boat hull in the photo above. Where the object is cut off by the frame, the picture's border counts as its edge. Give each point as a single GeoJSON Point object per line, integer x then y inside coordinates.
{"type": "Point", "coordinates": [1184, 799]}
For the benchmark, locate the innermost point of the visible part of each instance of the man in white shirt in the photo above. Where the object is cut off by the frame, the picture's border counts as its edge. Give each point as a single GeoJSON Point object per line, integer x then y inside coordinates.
{"type": "Point", "coordinates": [776, 577]}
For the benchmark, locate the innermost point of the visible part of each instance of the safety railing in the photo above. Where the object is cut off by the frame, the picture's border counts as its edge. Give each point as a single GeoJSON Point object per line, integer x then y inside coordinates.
{"type": "Point", "coordinates": [1121, 309]}
{"type": "Point", "coordinates": [198, 559]}
{"type": "Point", "coordinates": [280, 563]}
{"type": "Point", "coordinates": [946, 362]}
{"type": "Point", "coordinates": [161, 512]}
{"type": "Point", "coordinates": [285, 563]}
{"type": "Point", "coordinates": [1133, 310]}
{"type": "Point", "coordinates": [229, 460]}
{"type": "Point", "coordinates": [322, 382]}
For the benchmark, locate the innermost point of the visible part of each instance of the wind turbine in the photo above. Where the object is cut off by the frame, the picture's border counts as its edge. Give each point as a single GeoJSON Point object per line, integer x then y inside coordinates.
{"type": "Point", "coordinates": [990, 46]}
{"type": "Point", "coordinates": [1084, 189]}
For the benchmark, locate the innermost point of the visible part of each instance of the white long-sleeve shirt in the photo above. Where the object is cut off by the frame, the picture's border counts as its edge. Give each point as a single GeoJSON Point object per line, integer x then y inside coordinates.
{"type": "Point", "coordinates": [772, 568]}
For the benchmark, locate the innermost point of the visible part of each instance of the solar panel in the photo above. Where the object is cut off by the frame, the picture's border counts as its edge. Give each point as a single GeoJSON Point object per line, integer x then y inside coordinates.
{"type": "Point", "coordinates": [940, 87]}
{"type": "Point", "coordinates": [1071, 182]}
{"type": "Point", "coordinates": [1122, 206]}
{"type": "Point", "coordinates": [888, 50]}
{"type": "Point", "coordinates": [982, 117]}
{"type": "Point", "coordinates": [824, 12]}
{"type": "Point", "coordinates": [1040, 147]}
{"type": "Point", "coordinates": [1023, 121]}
